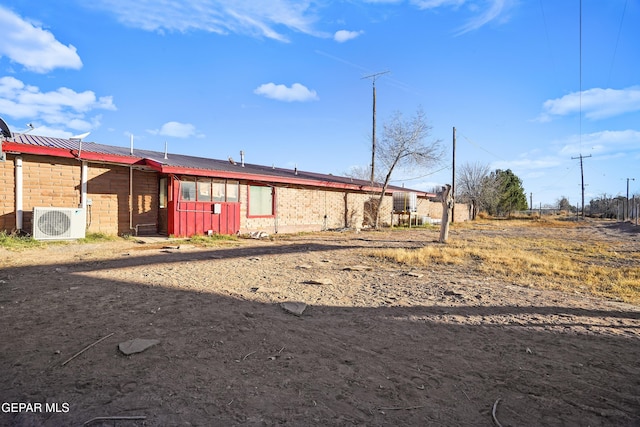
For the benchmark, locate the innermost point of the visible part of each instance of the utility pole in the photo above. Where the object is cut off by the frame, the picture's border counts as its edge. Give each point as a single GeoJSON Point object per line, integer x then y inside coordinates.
{"type": "Point", "coordinates": [373, 78]}
{"type": "Point", "coordinates": [453, 179]}
{"type": "Point", "coordinates": [626, 210]}
{"type": "Point", "coordinates": [581, 178]}
{"type": "Point", "coordinates": [531, 201]}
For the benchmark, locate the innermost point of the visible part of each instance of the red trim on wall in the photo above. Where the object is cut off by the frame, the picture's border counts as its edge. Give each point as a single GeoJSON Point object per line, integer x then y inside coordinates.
{"type": "Point", "coordinates": [260, 178]}
{"type": "Point", "coordinates": [15, 147]}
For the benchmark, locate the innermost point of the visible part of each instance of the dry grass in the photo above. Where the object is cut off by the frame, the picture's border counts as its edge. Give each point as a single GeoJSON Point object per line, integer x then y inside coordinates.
{"type": "Point", "coordinates": [552, 260]}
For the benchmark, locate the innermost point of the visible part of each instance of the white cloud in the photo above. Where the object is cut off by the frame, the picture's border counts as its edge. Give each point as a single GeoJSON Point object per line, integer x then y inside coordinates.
{"type": "Point", "coordinates": [62, 107]}
{"type": "Point", "coordinates": [607, 141]}
{"type": "Point", "coordinates": [177, 130]}
{"type": "Point", "coordinates": [296, 92]}
{"type": "Point", "coordinates": [269, 19]}
{"type": "Point", "coordinates": [255, 18]}
{"type": "Point", "coordinates": [51, 132]}
{"type": "Point", "coordinates": [595, 103]}
{"type": "Point", "coordinates": [33, 47]}
{"type": "Point", "coordinates": [527, 164]}
{"type": "Point", "coordinates": [344, 35]}
{"type": "Point", "coordinates": [432, 4]}
{"type": "Point", "coordinates": [495, 10]}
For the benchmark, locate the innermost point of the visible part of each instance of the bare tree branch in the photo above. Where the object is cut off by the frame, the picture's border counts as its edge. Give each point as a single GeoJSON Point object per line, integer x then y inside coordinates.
{"type": "Point", "coordinates": [403, 146]}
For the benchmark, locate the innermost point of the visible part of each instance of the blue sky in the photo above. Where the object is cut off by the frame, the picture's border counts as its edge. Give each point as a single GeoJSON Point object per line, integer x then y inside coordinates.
{"type": "Point", "coordinates": [283, 81]}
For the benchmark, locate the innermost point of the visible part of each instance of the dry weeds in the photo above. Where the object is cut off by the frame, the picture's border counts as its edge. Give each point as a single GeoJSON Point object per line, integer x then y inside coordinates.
{"type": "Point", "coordinates": [558, 259]}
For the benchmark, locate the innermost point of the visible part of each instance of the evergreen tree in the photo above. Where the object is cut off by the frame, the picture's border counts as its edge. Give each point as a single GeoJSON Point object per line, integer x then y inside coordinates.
{"type": "Point", "coordinates": [510, 195]}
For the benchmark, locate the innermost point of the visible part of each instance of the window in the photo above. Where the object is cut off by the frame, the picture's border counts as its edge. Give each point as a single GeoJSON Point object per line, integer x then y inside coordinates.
{"type": "Point", "coordinates": [260, 201]}
{"type": "Point", "coordinates": [232, 191]}
{"type": "Point", "coordinates": [204, 190]}
{"type": "Point", "coordinates": [218, 191]}
{"type": "Point", "coordinates": [163, 192]}
{"type": "Point", "coordinates": [188, 191]}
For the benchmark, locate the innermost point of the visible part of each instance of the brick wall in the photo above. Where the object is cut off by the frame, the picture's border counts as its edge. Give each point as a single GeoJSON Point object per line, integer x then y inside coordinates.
{"type": "Point", "coordinates": [47, 182]}
{"type": "Point", "coordinates": [56, 182]}
{"type": "Point", "coordinates": [433, 210]}
{"type": "Point", "coordinates": [108, 189]}
{"type": "Point", "coordinates": [310, 209]}
{"type": "Point", "coordinates": [7, 195]}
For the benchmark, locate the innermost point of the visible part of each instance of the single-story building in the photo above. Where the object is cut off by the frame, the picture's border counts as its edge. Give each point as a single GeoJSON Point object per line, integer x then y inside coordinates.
{"type": "Point", "coordinates": [122, 190]}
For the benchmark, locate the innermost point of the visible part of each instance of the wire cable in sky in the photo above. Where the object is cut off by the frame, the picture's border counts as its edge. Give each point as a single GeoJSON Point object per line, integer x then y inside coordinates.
{"type": "Point", "coordinates": [482, 148]}
{"type": "Point", "coordinates": [615, 50]}
{"type": "Point", "coordinates": [546, 33]}
{"type": "Point", "coordinates": [422, 176]}
{"type": "Point", "coordinates": [580, 116]}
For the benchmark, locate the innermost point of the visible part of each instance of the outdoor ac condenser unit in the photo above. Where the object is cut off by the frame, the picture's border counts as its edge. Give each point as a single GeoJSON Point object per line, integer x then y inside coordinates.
{"type": "Point", "coordinates": [58, 223]}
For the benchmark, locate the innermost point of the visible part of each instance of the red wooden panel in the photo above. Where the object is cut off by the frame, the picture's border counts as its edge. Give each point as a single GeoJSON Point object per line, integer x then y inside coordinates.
{"type": "Point", "coordinates": [197, 218]}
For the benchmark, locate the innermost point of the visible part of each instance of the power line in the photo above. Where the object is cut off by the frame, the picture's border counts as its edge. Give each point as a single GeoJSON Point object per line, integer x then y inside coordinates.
{"type": "Point", "coordinates": [421, 176]}
{"type": "Point", "coordinates": [546, 32]}
{"type": "Point", "coordinates": [482, 148]}
{"type": "Point", "coordinates": [580, 115]}
{"type": "Point", "coordinates": [615, 50]}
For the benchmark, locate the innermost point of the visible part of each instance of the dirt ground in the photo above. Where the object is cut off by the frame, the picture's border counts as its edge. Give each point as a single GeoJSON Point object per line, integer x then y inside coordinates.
{"type": "Point", "coordinates": [379, 344]}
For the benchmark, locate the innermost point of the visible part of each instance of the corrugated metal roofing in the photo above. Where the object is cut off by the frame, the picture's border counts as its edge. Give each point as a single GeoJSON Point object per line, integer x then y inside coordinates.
{"type": "Point", "coordinates": [188, 162]}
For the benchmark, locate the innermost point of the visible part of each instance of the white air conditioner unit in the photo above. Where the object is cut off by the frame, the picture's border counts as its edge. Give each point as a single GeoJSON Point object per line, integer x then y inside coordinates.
{"type": "Point", "coordinates": [59, 223]}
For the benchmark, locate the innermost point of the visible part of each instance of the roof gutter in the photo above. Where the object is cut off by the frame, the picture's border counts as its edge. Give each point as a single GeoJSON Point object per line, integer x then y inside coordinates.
{"type": "Point", "coordinates": [17, 148]}
{"type": "Point", "coordinates": [158, 166]}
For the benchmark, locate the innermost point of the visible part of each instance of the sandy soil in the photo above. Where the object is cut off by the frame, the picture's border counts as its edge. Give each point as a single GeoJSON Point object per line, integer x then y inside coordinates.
{"type": "Point", "coordinates": [379, 344]}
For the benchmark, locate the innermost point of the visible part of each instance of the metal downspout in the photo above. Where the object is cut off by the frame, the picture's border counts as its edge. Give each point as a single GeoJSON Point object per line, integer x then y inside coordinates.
{"type": "Point", "coordinates": [131, 198]}
{"type": "Point", "coordinates": [83, 186]}
{"type": "Point", "coordinates": [18, 195]}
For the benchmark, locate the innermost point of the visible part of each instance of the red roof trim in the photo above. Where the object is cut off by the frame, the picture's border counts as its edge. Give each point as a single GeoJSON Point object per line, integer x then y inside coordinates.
{"type": "Point", "coordinates": [263, 178]}
{"type": "Point", "coordinates": [15, 147]}
{"type": "Point", "coordinates": [254, 177]}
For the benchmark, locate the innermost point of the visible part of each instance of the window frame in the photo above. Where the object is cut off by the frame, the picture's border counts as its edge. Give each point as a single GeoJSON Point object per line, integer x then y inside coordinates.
{"type": "Point", "coordinates": [232, 183]}
{"type": "Point", "coordinates": [200, 186]}
{"type": "Point", "coordinates": [273, 202]}
{"type": "Point", "coordinates": [191, 181]}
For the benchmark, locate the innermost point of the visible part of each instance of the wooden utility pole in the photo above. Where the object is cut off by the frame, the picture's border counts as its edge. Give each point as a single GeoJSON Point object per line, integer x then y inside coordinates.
{"type": "Point", "coordinates": [531, 201]}
{"type": "Point", "coordinates": [373, 78]}
{"type": "Point", "coordinates": [626, 211]}
{"type": "Point", "coordinates": [582, 178]}
{"type": "Point", "coordinates": [453, 178]}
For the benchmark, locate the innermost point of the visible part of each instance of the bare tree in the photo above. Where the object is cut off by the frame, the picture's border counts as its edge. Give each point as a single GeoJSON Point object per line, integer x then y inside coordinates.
{"type": "Point", "coordinates": [403, 145]}
{"type": "Point", "coordinates": [362, 173]}
{"type": "Point", "coordinates": [476, 186]}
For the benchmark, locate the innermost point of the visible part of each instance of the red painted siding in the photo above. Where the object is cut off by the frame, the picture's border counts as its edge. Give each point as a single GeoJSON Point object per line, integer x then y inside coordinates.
{"type": "Point", "coordinates": [197, 218]}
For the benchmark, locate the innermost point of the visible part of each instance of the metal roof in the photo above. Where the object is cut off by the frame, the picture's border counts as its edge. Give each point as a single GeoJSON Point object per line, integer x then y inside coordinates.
{"type": "Point", "coordinates": [188, 164]}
